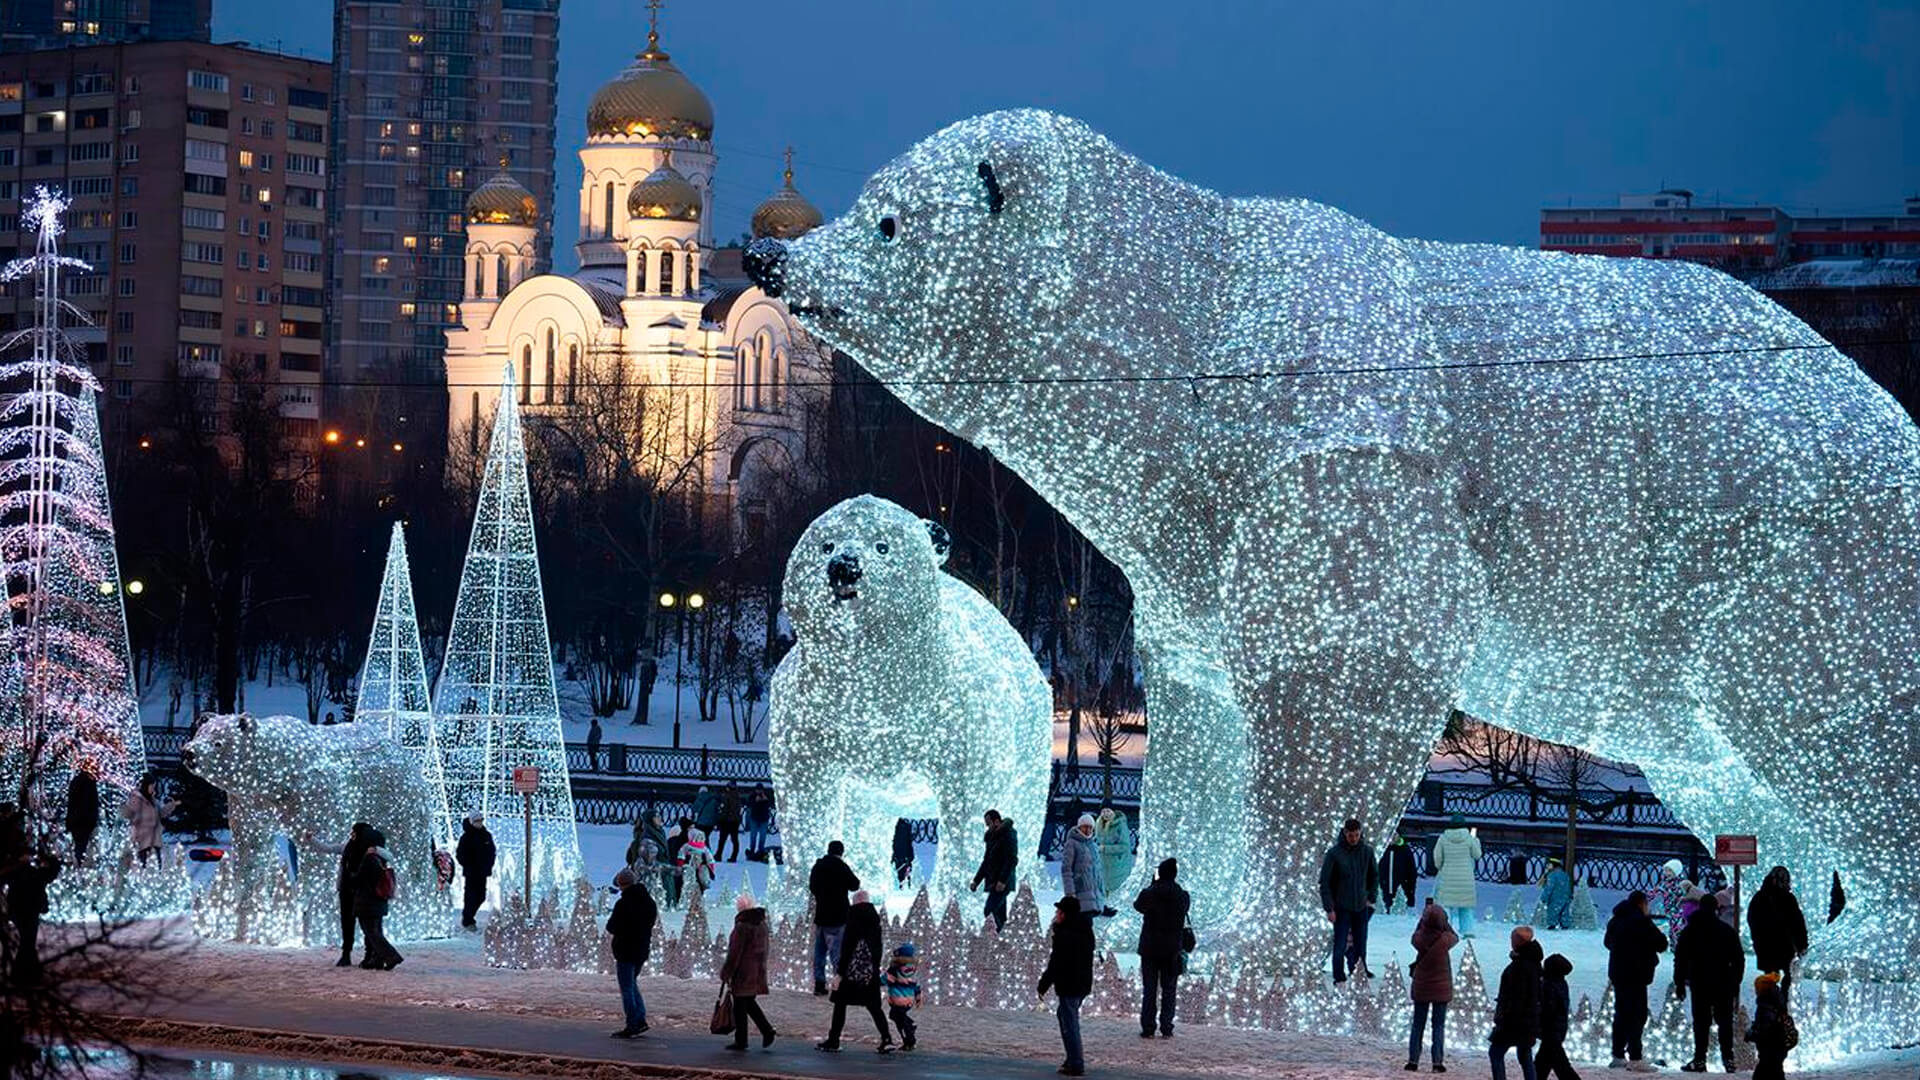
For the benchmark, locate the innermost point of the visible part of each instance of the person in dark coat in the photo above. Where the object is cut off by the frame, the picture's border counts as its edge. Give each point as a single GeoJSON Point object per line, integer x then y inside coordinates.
{"type": "Point", "coordinates": [706, 809]}
{"type": "Point", "coordinates": [1710, 962]}
{"type": "Point", "coordinates": [727, 822]}
{"type": "Point", "coordinates": [902, 851]}
{"type": "Point", "coordinates": [997, 866]}
{"type": "Point", "coordinates": [1163, 907]}
{"type": "Point", "coordinates": [1431, 982]}
{"type": "Point", "coordinates": [1768, 1032]}
{"type": "Point", "coordinates": [1555, 1003]}
{"type": "Point", "coordinates": [593, 746]}
{"type": "Point", "coordinates": [745, 971]}
{"type": "Point", "coordinates": [370, 908]}
{"type": "Point", "coordinates": [26, 881]}
{"type": "Point", "coordinates": [859, 972]}
{"type": "Point", "coordinates": [1397, 874]}
{"type": "Point", "coordinates": [759, 821]}
{"type": "Point", "coordinates": [83, 813]}
{"type": "Point", "coordinates": [475, 854]}
{"type": "Point", "coordinates": [631, 924]}
{"type": "Point", "coordinates": [676, 840]}
{"type": "Point", "coordinates": [1516, 1011]}
{"type": "Point", "coordinates": [1777, 926]}
{"type": "Point", "coordinates": [1069, 973]}
{"type": "Point", "coordinates": [1634, 944]}
{"type": "Point", "coordinates": [351, 854]}
{"type": "Point", "coordinates": [1349, 882]}
{"type": "Point", "coordinates": [830, 881]}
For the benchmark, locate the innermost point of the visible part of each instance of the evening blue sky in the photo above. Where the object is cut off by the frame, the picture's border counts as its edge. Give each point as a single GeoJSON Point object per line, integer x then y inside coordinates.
{"type": "Point", "coordinates": [1445, 120]}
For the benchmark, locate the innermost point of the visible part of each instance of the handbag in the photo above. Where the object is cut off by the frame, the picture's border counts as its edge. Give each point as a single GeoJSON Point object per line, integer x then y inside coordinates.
{"type": "Point", "coordinates": [1789, 1031]}
{"type": "Point", "coordinates": [1188, 942]}
{"type": "Point", "coordinates": [722, 1022]}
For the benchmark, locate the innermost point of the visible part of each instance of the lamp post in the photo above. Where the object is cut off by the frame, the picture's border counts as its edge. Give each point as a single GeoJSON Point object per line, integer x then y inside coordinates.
{"type": "Point", "coordinates": [695, 601]}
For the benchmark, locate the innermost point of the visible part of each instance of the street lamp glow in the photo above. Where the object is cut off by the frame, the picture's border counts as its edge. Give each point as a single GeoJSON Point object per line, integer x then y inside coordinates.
{"type": "Point", "coordinates": [667, 599]}
{"type": "Point", "coordinates": [136, 587]}
{"type": "Point", "coordinates": [333, 436]}
{"type": "Point", "coordinates": [696, 601]}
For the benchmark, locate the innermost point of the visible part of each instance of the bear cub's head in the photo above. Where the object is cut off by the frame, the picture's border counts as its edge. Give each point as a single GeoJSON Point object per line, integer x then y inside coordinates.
{"type": "Point", "coordinates": [865, 566]}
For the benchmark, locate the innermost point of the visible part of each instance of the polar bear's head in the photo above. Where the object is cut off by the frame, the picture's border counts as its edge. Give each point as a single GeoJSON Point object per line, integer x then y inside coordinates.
{"type": "Point", "coordinates": [956, 254]}
{"type": "Point", "coordinates": [243, 753]}
{"type": "Point", "coordinates": [864, 568]}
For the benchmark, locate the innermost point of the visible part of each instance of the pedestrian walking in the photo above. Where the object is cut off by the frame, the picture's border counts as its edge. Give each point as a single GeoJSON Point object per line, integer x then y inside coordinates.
{"type": "Point", "coordinates": [1555, 1003]}
{"type": "Point", "coordinates": [1556, 895]}
{"type": "Point", "coordinates": [1069, 974]}
{"type": "Point", "coordinates": [1772, 1031]}
{"type": "Point", "coordinates": [830, 881]}
{"type": "Point", "coordinates": [631, 924]}
{"type": "Point", "coordinates": [1431, 983]}
{"type": "Point", "coordinates": [727, 821]}
{"type": "Point", "coordinates": [1516, 1011]}
{"type": "Point", "coordinates": [1710, 963]}
{"type": "Point", "coordinates": [759, 821]}
{"type": "Point", "coordinates": [1163, 907]}
{"type": "Point", "coordinates": [1777, 926]}
{"type": "Point", "coordinates": [1349, 882]}
{"type": "Point", "coordinates": [706, 810]}
{"type": "Point", "coordinates": [1397, 873]}
{"type": "Point", "coordinates": [997, 865]}
{"type": "Point", "coordinates": [858, 974]}
{"type": "Point", "coordinates": [27, 879]}
{"type": "Point", "coordinates": [83, 813]}
{"type": "Point", "coordinates": [696, 862]}
{"type": "Point", "coordinates": [593, 746]}
{"type": "Point", "coordinates": [744, 974]}
{"type": "Point", "coordinates": [903, 991]}
{"type": "Point", "coordinates": [1454, 857]}
{"type": "Point", "coordinates": [1114, 838]}
{"type": "Point", "coordinates": [1634, 945]}
{"type": "Point", "coordinates": [146, 816]}
{"type": "Point", "coordinates": [902, 852]}
{"type": "Point", "coordinates": [1080, 868]}
{"type": "Point", "coordinates": [475, 853]}
{"type": "Point", "coordinates": [373, 891]}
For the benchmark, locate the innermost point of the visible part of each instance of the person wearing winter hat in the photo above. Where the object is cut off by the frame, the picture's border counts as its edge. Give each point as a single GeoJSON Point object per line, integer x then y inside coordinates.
{"type": "Point", "coordinates": [1556, 896]}
{"type": "Point", "coordinates": [1080, 868]}
{"type": "Point", "coordinates": [475, 854]}
{"type": "Point", "coordinates": [745, 971]}
{"type": "Point", "coordinates": [1711, 963]}
{"type": "Point", "coordinates": [859, 974]}
{"type": "Point", "coordinates": [1431, 983]}
{"type": "Point", "coordinates": [1069, 973]}
{"type": "Point", "coordinates": [1454, 856]}
{"type": "Point", "coordinates": [631, 925]}
{"type": "Point", "coordinates": [1163, 907]}
{"type": "Point", "coordinates": [1516, 1011]}
{"type": "Point", "coordinates": [696, 861]}
{"type": "Point", "coordinates": [1634, 945]}
{"type": "Point", "coordinates": [903, 990]}
{"type": "Point", "coordinates": [1554, 1004]}
{"type": "Point", "coordinates": [1768, 1032]}
{"type": "Point", "coordinates": [1676, 896]}
{"type": "Point", "coordinates": [1349, 884]}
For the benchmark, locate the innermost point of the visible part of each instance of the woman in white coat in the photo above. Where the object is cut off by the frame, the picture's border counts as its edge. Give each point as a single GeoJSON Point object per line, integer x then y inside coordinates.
{"type": "Point", "coordinates": [1454, 856]}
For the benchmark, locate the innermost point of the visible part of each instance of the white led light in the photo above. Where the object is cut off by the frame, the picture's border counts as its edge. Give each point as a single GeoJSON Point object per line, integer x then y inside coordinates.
{"type": "Point", "coordinates": [393, 682]}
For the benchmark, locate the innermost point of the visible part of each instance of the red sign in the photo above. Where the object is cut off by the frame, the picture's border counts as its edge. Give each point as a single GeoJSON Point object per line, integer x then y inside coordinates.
{"type": "Point", "coordinates": [1736, 850]}
{"type": "Point", "coordinates": [526, 779]}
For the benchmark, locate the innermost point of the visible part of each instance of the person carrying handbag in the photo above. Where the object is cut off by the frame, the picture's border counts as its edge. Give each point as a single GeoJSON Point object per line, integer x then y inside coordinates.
{"type": "Point", "coordinates": [1165, 939]}
{"type": "Point", "coordinates": [744, 975]}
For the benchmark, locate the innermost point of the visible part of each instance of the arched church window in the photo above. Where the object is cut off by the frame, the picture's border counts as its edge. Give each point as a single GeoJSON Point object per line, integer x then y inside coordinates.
{"type": "Point", "coordinates": [777, 380]}
{"type": "Point", "coordinates": [640, 269]}
{"type": "Point", "coordinates": [742, 358]}
{"type": "Point", "coordinates": [526, 374]}
{"type": "Point", "coordinates": [479, 275]}
{"type": "Point", "coordinates": [666, 272]}
{"type": "Point", "coordinates": [573, 372]}
{"type": "Point", "coordinates": [473, 425]}
{"type": "Point", "coordinates": [500, 285]}
{"type": "Point", "coordinates": [609, 208]}
{"type": "Point", "coordinates": [553, 368]}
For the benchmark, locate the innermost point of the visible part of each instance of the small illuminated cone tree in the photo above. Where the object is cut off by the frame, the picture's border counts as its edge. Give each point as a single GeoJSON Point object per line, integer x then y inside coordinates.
{"type": "Point", "coordinates": [76, 709]}
{"type": "Point", "coordinates": [393, 681]}
{"type": "Point", "coordinates": [495, 700]}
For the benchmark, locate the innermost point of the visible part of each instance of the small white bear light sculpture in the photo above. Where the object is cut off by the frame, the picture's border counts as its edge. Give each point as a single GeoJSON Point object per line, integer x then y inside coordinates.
{"type": "Point", "coordinates": [906, 694]}
{"type": "Point", "coordinates": [288, 777]}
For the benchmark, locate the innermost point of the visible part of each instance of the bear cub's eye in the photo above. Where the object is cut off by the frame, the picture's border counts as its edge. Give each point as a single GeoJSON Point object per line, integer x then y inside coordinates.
{"type": "Point", "coordinates": [826, 548]}
{"type": "Point", "coordinates": [880, 548]}
{"type": "Point", "coordinates": [888, 227]}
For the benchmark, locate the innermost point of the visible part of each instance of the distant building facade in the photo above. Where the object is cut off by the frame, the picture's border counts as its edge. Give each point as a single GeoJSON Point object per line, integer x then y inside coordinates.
{"type": "Point", "coordinates": [431, 96]}
{"type": "Point", "coordinates": [198, 177]}
{"type": "Point", "coordinates": [58, 24]}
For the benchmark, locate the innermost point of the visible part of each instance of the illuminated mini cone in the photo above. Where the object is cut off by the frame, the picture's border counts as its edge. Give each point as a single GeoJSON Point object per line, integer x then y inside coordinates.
{"type": "Point", "coordinates": [393, 681]}
{"type": "Point", "coordinates": [495, 703]}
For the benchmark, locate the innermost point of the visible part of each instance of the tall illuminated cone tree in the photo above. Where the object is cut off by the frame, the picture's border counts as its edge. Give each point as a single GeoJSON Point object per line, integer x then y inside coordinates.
{"type": "Point", "coordinates": [393, 681]}
{"type": "Point", "coordinates": [76, 708]}
{"type": "Point", "coordinates": [495, 700]}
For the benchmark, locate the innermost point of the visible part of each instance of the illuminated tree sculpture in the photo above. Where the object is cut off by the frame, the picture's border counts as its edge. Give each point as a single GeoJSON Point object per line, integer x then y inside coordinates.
{"type": "Point", "coordinates": [1355, 481]}
{"type": "Point", "coordinates": [393, 681]}
{"type": "Point", "coordinates": [495, 700]}
{"type": "Point", "coordinates": [77, 710]}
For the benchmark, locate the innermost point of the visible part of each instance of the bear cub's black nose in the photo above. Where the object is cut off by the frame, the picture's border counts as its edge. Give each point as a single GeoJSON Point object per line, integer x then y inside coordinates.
{"type": "Point", "coordinates": [843, 569]}
{"type": "Point", "coordinates": [765, 262]}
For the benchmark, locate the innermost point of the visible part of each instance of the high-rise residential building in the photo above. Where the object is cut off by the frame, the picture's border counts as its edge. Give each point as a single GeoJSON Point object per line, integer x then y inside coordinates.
{"type": "Point", "coordinates": [53, 24]}
{"type": "Point", "coordinates": [432, 97]}
{"type": "Point", "coordinates": [1743, 240]}
{"type": "Point", "coordinates": [198, 178]}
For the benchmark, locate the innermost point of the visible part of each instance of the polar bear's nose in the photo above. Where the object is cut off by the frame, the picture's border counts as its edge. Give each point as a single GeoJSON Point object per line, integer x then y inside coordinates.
{"type": "Point", "coordinates": [186, 759]}
{"type": "Point", "coordinates": [843, 569]}
{"type": "Point", "coordinates": [765, 262]}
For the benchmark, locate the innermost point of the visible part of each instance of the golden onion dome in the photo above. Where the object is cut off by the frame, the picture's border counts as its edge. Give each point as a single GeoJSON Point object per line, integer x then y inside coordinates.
{"type": "Point", "coordinates": [652, 99]}
{"type": "Point", "coordinates": [502, 200]}
{"type": "Point", "coordinates": [664, 195]}
{"type": "Point", "coordinates": [787, 213]}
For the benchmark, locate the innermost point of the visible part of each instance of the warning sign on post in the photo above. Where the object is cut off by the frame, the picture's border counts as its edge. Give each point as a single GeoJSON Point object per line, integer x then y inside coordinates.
{"type": "Point", "coordinates": [1736, 850]}
{"type": "Point", "coordinates": [526, 779]}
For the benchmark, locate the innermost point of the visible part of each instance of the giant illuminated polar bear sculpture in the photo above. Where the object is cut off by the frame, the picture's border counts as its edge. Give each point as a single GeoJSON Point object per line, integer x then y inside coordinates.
{"type": "Point", "coordinates": [906, 694]}
{"type": "Point", "coordinates": [286, 777]}
{"type": "Point", "coordinates": [1356, 481]}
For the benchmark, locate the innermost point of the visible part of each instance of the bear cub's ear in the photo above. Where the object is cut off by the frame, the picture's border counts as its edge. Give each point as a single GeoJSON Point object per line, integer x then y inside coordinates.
{"type": "Point", "coordinates": [995, 197]}
{"type": "Point", "coordinates": [942, 540]}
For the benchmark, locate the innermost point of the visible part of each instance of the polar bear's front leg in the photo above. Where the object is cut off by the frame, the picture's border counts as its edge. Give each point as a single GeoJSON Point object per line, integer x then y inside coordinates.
{"type": "Point", "coordinates": [1360, 602]}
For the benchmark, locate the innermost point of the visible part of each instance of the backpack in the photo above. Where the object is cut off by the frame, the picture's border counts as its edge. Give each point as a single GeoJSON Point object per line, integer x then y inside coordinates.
{"type": "Point", "coordinates": [385, 886]}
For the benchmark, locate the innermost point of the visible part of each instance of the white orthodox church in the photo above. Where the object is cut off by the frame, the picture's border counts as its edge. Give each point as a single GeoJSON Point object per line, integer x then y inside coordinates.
{"type": "Point", "coordinates": [645, 297]}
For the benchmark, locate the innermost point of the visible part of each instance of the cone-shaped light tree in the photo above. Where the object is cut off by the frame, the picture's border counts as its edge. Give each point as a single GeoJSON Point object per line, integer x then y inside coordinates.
{"type": "Point", "coordinates": [495, 700]}
{"type": "Point", "coordinates": [76, 711]}
{"type": "Point", "coordinates": [393, 681]}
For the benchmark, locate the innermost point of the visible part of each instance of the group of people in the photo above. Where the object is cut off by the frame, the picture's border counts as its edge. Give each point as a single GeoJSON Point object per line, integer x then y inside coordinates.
{"type": "Point", "coordinates": [365, 886]}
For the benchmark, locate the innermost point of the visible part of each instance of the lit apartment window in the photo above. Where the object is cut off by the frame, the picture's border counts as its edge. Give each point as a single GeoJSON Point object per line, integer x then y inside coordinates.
{"type": "Point", "coordinates": [265, 196]}
{"type": "Point", "coordinates": [246, 159]}
{"type": "Point", "coordinates": [406, 309]}
{"type": "Point", "coordinates": [381, 264]}
{"type": "Point", "coordinates": [410, 243]}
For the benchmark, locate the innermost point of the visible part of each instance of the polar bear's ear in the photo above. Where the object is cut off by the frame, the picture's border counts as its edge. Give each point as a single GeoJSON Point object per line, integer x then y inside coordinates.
{"type": "Point", "coordinates": [995, 197]}
{"type": "Point", "coordinates": [246, 723]}
{"type": "Point", "coordinates": [942, 540]}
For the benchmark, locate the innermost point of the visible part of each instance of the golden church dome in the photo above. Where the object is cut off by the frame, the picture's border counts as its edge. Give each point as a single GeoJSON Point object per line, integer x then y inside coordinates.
{"type": "Point", "coordinates": [664, 195]}
{"type": "Point", "coordinates": [651, 99]}
{"type": "Point", "coordinates": [502, 200]}
{"type": "Point", "coordinates": [787, 213]}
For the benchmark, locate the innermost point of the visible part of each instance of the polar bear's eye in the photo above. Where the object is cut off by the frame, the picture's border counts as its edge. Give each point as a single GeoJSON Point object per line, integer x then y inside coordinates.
{"type": "Point", "coordinates": [826, 548]}
{"type": "Point", "coordinates": [888, 227]}
{"type": "Point", "coordinates": [880, 548]}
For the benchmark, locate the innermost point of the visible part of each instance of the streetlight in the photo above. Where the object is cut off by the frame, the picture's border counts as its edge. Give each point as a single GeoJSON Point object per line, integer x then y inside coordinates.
{"type": "Point", "coordinates": [136, 587]}
{"type": "Point", "coordinates": [695, 602]}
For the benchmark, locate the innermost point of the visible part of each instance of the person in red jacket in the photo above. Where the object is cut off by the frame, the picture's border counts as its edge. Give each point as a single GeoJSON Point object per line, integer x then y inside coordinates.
{"type": "Point", "coordinates": [1431, 983]}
